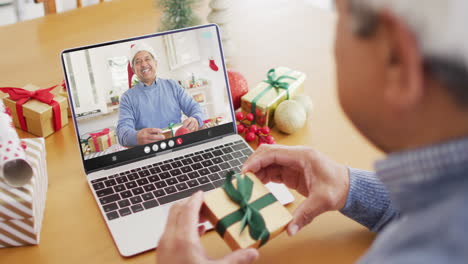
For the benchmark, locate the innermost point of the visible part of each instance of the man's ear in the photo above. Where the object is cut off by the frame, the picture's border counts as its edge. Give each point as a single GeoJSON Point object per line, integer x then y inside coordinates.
{"type": "Point", "coordinates": [404, 84]}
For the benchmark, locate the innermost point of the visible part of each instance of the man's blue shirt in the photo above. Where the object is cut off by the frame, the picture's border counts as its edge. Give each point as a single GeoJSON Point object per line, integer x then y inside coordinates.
{"type": "Point", "coordinates": [416, 201]}
{"type": "Point", "coordinates": [154, 106]}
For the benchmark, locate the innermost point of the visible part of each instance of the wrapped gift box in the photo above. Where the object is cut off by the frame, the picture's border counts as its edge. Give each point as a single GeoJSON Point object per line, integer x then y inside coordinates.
{"type": "Point", "coordinates": [22, 209]}
{"type": "Point", "coordinates": [212, 122]}
{"type": "Point", "coordinates": [225, 214]}
{"type": "Point", "coordinates": [170, 131]}
{"type": "Point", "coordinates": [3, 95]}
{"type": "Point", "coordinates": [39, 116]}
{"type": "Point", "coordinates": [281, 84]}
{"type": "Point", "coordinates": [85, 148]}
{"type": "Point", "coordinates": [101, 140]}
{"type": "Point", "coordinates": [62, 91]}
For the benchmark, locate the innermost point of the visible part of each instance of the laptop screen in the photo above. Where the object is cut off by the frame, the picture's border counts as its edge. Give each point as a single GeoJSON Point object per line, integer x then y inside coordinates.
{"type": "Point", "coordinates": [140, 97]}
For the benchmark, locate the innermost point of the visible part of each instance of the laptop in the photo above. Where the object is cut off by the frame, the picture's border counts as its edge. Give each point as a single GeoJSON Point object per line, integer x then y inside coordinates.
{"type": "Point", "coordinates": [135, 182]}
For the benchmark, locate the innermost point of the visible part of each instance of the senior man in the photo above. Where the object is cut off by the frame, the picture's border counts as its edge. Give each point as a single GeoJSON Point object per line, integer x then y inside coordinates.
{"type": "Point", "coordinates": [153, 103]}
{"type": "Point", "coordinates": [403, 82]}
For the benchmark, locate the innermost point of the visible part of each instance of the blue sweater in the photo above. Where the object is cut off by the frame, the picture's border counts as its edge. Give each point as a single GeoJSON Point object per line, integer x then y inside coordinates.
{"type": "Point", "coordinates": [154, 106]}
{"type": "Point", "coordinates": [417, 202]}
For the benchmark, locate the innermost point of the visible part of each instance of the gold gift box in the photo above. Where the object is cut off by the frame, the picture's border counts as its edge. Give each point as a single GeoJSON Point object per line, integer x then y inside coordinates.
{"type": "Point", "coordinates": [167, 133]}
{"type": "Point", "coordinates": [85, 148]}
{"type": "Point", "coordinates": [267, 103]}
{"type": "Point", "coordinates": [102, 141]}
{"type": "Point", "coordinates": [62, 91]}
{"type": "Point", "coordinates": [38, 115]}
{"type": "Point", "coordinates": [217, 205]}
{"type": "Point", "coordinates": [3, 95]}
{"type": "Point", "coordinates": [212, 122]}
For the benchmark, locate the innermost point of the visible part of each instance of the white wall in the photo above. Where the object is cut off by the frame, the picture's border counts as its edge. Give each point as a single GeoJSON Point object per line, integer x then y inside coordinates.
{"type": "Point", "coordinates": [208, 48]}
{"type": "Point", "coordinates": [326, 4]}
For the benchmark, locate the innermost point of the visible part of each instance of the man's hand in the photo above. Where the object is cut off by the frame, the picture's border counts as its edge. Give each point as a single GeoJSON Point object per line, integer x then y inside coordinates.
{"type": "Point", "coordinates": [148, 135]}
{"type": "Point", "coordinates": [324, 182]}
{"type": "Point", "coordinates": [191, 124]}
{"type": "Point", "coordinates": [180, 242]}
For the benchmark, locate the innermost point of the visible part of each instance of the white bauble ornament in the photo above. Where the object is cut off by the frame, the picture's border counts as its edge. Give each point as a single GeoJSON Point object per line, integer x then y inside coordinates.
{"type": "Point", "coordinates": [220, 4]}
{"type": "Point", "coordinates": [290, 116]}
{"type": "Point", "coordinates": [306, 102]}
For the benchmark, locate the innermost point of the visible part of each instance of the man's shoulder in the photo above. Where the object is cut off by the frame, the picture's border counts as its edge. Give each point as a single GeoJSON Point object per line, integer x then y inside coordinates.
{"type": "Point", "coordinates": [136, 89]}
{"type": "Point", "coordinates": [131, 95]}
{"type": "Point", "coordinates": [454, 215]}
{"type": "Point", "coordinates": [168, 82]}
{"type": "Point", "coordinates": [169, 86]}
{"type": "Point", "coordinates": [441, 223]}
{"type": "Point", "coordinates": [447, 215]}
{"type": "Point", "coordinates": [435, 234]}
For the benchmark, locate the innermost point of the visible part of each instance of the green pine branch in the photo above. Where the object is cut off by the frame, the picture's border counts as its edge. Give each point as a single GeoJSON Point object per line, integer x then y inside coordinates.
{"type": "Point", "coordinates": [178, 13]}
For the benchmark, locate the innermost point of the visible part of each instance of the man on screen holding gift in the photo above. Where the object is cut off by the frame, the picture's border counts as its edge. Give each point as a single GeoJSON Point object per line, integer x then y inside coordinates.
{"type": "Point", "coordinates": [409, 61]}
{"type": "Point", "coordinates": [153, 103]}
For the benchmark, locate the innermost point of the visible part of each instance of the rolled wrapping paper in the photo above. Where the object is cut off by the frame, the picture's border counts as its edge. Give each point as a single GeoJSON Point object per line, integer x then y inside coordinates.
{"type": "Point", "coordinates": [14, 167]}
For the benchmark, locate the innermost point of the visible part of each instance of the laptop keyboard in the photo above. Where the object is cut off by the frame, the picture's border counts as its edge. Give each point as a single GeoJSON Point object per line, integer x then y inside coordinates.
{"type": "Point", "coordinates": [150, 186]}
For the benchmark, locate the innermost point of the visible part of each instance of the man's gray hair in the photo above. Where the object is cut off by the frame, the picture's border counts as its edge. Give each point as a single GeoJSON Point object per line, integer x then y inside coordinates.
{"type": "Point", "coordinates": [440, 29]}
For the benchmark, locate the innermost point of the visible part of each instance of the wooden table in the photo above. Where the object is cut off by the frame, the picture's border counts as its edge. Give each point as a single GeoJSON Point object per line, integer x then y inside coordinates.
{"type": "Point", "coordinates": [267, 33]}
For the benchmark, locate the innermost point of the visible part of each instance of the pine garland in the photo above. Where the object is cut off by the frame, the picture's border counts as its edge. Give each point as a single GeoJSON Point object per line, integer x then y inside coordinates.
{"type": "Point", "coordinates": [178, 14]}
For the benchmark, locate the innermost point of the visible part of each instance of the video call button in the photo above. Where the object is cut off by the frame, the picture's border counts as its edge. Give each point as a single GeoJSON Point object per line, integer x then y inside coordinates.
{"type": "Point", "coordinates": [155, 147]}
{"type": "Point", "coordinates": [171, 143]}
{"type": "Point", "coordinates": [147, 149]}
{"type": "Point", "coordinates": [179, 141]}
{"type": "Point", "coordinates": [163, 145]}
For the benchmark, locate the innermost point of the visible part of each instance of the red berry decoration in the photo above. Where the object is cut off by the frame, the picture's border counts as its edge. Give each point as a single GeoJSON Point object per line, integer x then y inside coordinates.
{"type": "Point", "coordinates": [240, 116]}
{"type": "Point", "coordinates": [250, 117]}
{"type": "Point", "coordinates": [269, 139]}
{"type": "Point", "coordinates": [265, 130]}
{"type": "Point", "coordinates": [253, 129]}
{"type": "Point", "coordinates": [249, 137]}
{"type": "Point", "coordinates": [240, 128]}
{"type": "Point", "coordinates": [238, 86]}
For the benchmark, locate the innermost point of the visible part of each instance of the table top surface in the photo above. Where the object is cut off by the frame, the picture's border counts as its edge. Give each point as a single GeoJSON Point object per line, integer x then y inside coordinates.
{"type": "Point", "coordinates": [266, 34]}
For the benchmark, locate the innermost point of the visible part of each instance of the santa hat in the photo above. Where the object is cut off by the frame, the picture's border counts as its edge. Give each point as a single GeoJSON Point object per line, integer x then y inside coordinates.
{"type": "Point", "coordinates": [137, 47]}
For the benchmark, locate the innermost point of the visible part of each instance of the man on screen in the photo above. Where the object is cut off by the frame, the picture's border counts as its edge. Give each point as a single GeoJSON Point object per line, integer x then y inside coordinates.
{"type": "Point", "coordinates": [153, 103]}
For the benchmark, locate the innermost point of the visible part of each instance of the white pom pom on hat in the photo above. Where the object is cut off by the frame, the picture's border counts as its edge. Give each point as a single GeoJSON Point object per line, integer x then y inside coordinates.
{"type": "Point", "coordinates": [137, 47]}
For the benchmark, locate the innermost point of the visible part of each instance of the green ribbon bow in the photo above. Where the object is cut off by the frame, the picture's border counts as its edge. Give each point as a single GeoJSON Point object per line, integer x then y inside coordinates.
{"type": "Point", "coordinates": [84, 140]}
{"type": "Point", "coordinates": [171, 127]}
{"type": "Point", "coordinates": [248, 214]}
{"type": "Point", "coordinates": [273, 83]}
